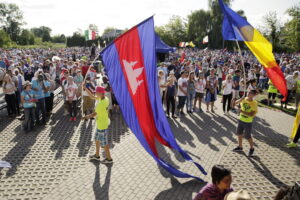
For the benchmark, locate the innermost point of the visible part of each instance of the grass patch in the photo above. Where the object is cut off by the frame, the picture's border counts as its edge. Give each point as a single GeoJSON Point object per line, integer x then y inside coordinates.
{"type": "Point", "coordinates": [288, 111]}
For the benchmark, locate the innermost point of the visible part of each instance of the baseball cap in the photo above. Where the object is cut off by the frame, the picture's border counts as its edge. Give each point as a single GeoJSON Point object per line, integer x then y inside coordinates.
{"type": "Point", "coordinates": [100, 90]}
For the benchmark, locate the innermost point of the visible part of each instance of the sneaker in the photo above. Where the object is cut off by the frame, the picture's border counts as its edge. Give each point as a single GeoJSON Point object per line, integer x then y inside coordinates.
{"type": "Point", "coordinates": [107, 161]}
{"type": "Point", "coordinates": [251, 151]}
{"type": "Point", "coordinates": [74, 118]}
{"type": "Point", "coordinates": [174, 116]}
{"type": "Point", "coordinates": [291, 145]}
{"type": "Point", "coordinates": [94, 157]}
{"type": "Point", "coordinates": [71, 119]}
{"type": "Point", "coordinates": [238, 149]}
{"type": "Point", "coordinates": [168, 116]}
{"type": "Point", "coordinates": [200, 110]}
{"type": "Point", "coordinates": [182, 113]}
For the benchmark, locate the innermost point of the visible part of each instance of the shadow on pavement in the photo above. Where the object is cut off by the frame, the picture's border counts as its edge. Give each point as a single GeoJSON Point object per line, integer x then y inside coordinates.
{"type": "Point", "coordinates": [5, 120]}
{"type": "Point", "coordinates": [260, 167]}
{"type": "Point", "coordinates": [61, 133]}
{"type": "Point", "coordinates": [20, 150]}
{"type": "Point", "coordinates": [263, 133]}
{"type": "Point", "coordinates": [85, 140]}
{"type": "Point", "coordinates": [101, 192]}
{"type": "Point", "coordinates": [180, 191]}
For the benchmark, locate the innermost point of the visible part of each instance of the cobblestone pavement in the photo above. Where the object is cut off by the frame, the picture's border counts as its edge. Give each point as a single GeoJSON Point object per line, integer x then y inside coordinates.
{"type": "Point", "coordinates": [52, 162]}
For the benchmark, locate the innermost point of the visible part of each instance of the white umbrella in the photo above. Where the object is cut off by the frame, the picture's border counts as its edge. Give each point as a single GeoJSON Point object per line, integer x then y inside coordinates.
{"type": "Point", "coordinates": [55, 58]}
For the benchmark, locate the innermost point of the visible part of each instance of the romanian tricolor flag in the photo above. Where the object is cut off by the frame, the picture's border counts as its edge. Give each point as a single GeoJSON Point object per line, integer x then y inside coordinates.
{"type": "Point", "coordinates": [237, 28]}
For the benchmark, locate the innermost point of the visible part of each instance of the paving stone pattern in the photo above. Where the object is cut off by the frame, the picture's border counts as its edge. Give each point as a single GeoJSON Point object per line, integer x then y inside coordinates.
{"type": "Point", "coordinates": [52, 162]}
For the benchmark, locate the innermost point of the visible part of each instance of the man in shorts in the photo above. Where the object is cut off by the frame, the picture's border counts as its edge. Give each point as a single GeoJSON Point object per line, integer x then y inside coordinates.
{"type": "Point", "coordinates": [247, 113]}
{"type": "Point", "coordinates": [102, 123]}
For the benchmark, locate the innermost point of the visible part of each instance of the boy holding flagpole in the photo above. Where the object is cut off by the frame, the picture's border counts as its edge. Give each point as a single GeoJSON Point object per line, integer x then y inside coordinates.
{"type": "Point", "coordinates": [247, 114]}
{"type": "Point", "coordinates": [102, 122]}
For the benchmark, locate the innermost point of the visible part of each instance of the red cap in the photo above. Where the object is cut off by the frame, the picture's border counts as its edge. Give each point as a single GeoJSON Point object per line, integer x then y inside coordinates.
{"type": "Point", "coordinates": [100, 90]}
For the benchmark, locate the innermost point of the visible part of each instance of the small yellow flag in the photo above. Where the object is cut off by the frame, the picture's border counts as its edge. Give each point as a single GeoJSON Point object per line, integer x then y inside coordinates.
{"type": "Point", "coordinates": [191, 44]}
{"type": "Point", "coordinates": [296, 124]}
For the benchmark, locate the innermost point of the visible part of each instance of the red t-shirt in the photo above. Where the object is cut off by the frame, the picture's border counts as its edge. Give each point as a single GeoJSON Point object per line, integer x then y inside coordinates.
{"type": "Point", "coordinates": [84, 70]}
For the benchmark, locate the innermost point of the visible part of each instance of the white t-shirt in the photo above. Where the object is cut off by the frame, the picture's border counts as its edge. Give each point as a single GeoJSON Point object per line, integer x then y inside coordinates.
{"type": "Point", "coordinates": [71, 91]}
{"type": "Point", "coordinates": [290, 82]}
{"type": "Point", "coordinates": [227, 87]}
{"type": "Point", "coordinates": [250, 87]}
{"type": "Point", "coordinates": [263, 74]}
{"type": "Point", "coordinates": [200, 85]}
{"type": "Point", "coordinates": [183, 83]}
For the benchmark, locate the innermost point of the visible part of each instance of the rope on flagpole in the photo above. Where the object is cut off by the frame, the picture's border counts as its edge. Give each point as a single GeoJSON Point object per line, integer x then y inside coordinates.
{"type": "Point", "coordinates": [243, 66]}
{"type": "Point", "coordinates": [91, 65]}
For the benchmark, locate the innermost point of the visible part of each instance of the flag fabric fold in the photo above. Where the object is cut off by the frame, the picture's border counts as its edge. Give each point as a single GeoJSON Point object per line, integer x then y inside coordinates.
{"type": "Point", "coordinates": [237, 28]}
{"type": "Point", "coordinates": [130, 63]}
{"type": "Point", "coordinates": [191, 44]}
{"type": "Point", "coordinates": [296, 124]}
{"type": "Point", "coordinates": [205, 40]}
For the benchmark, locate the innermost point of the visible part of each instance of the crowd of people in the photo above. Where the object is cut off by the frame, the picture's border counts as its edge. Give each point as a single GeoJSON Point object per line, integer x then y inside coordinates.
{"type": "Point", "coordinates": [200, 75]}
{"type": "Point", "coordinates": [189, 81]}
{"type": "Point", "coordinates": [30, 77]}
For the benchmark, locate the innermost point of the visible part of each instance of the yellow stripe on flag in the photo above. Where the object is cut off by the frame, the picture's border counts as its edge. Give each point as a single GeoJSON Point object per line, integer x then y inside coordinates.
{"type": "Point", "coordinates": [296, 124]}
{"type": "Point", "coordinates": [262, 49]}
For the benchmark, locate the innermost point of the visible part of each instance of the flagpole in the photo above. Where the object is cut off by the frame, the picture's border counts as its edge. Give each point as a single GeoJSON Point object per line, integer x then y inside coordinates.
{"type": "Point", "coordinates": [92, 64]}
{"type": "Point", "coordinates": [244, 71]}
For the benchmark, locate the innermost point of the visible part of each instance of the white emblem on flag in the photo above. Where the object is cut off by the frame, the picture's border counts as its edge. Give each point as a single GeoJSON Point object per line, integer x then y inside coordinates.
{"type": "Point", "coordinates": [132, 75]}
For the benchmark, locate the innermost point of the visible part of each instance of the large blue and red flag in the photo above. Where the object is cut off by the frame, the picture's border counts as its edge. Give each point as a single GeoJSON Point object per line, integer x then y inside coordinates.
{"type": "Point", "coordinates": [130, 62]}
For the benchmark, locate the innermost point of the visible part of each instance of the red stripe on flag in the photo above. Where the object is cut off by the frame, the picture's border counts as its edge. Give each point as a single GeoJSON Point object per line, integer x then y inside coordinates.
{"type": "Point", "coordinates": [277, 78]}
{"type": "Point", "coordinates": [130, 55]}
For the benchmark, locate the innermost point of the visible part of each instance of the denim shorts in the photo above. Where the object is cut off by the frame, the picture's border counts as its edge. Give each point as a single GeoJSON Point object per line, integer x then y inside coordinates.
{"type": "Point", "coordinates": [101, 135]}
{"type": "Point", "coordinates": [245, 129]}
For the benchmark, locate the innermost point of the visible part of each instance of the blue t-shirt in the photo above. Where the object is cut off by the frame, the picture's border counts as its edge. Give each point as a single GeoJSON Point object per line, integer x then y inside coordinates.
{"type": "Point", "coordinates": [40, 93]}
{"type": "Point", "coordinates": [28, 95]}
{"type": "Point", "coordinates": [237, 79]}
{"type": "Point", "coordinates": [2, 64]}
{"type": "Point", "coordinates": [47, 84]}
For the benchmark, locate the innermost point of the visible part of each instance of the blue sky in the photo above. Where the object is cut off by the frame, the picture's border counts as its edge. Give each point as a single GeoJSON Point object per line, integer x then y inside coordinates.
{"type": "Point", "coordinates": [67, 16]}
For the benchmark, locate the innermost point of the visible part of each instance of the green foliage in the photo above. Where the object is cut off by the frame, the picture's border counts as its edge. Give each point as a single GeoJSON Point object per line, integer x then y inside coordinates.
{"type": "Point", "coordinates": [5, 41]}
{"type": "Point", "coordinates": [198, 26]}
{"type": "Point", "coordinates": [108, 29]}
{"type": "Point", "coordinates": [173, 32]}
{"type": "Point", "coordinates": [11, 19]}
{"type": "Point", "coordinates": [59, 38]}
{"type": "Point", "coordinates": [272, 24]}
{"type": "Point", "coordinates": [291, 30]}
{"type": "Point", "coordinates": [26, 38]}
{"type": "Point", "coordinates": [76, 40]}
{"type": "Point", "coordinates": [42, 32]}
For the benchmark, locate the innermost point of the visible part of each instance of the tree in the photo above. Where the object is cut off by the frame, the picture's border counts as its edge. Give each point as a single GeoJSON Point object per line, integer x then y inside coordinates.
{"type": "Point", "coordinates": [59, 38]}
{"type": "Point", "coordinates": [198, 25]}
{"type": "Point", "coordinates": [215, 30]}
{"type": "Point", "coordinates": [26, 38]}
{"type": "Point", "coordinates": [11, 19]}
{"type": "Point", "coordinates": [107, 30]}
{"type": "Point", "coordinates": [75, 40]}
{"type": "Point", "coordinates": [42, 32]}
{"type": "Point", "coordinates": [291, 30]}
{"type": "Point", "coordinates": [272, 24]}
{"type": "Point", "coordinates": [5, 40]}
{"type": "Point", "coordinates": [174, 31]}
